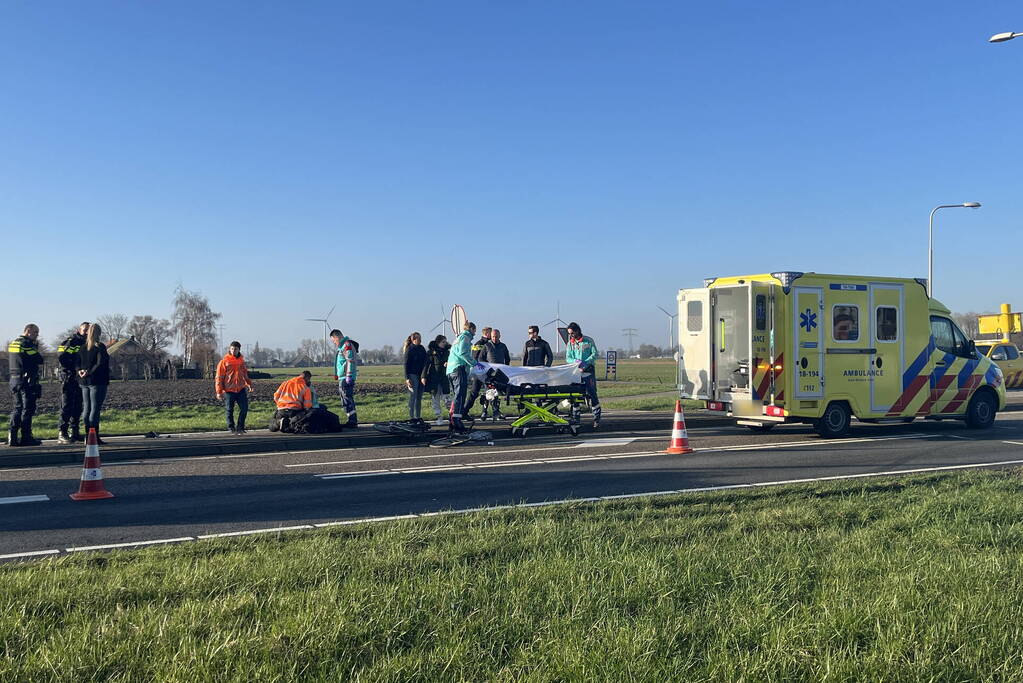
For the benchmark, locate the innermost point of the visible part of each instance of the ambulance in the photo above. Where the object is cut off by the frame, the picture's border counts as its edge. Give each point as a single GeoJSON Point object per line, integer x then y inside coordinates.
{"type": "Point", "coordinates": [821, 349]}
{"type": "Point", "coordinates": [1000, 334]}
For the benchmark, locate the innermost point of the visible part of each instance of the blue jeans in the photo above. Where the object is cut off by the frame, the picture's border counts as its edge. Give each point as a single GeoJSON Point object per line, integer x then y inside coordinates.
{"type": "Point", "coordinates": [241, 398]}
{"type": "Point", "coordinates": [415, 397]}
{"type": "Point", "coordinates": [92, 403]}
{"type": "Point", "coordinates": [458, 386]}
{"type": "Point", "coordinates": [346, 389]}
{"type": "Point", "coordinates": [590, 382]}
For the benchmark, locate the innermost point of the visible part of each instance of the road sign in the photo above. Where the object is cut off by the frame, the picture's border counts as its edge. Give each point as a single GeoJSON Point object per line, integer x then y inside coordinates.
{"type": "Point", "coordinates": [611, 366]}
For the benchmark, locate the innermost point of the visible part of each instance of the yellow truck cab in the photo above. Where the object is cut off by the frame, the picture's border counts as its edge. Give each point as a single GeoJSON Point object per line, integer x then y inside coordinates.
{"type": "Point", "coordinates": [821, 349]}
{"type": "Point", "coordinates": [999, 337]}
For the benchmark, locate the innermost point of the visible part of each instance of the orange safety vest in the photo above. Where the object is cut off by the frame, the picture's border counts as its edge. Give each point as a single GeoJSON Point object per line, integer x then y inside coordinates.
{"type": "Point", "coordinates": [232, 375]}
{"type": "Point", "coordinates": [294, 394]}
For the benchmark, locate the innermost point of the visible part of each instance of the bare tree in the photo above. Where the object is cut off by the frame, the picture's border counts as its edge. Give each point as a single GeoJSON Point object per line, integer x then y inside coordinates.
{"type": "Point", "coordinates": [968, 323]}
{"type": "Point", "coordinates": [114, 325]}
{"type": "Point", "coordinates": [195, 325]}
{"type": "Point", "coordinates": [153, 334]}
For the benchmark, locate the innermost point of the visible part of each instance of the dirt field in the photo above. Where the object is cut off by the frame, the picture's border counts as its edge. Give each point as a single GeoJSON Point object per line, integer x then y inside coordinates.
{"type": "Point", "coordinates": [185, 392]}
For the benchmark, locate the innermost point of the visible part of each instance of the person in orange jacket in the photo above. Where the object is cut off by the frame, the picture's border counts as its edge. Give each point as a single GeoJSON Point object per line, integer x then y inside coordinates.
{"type": "Point", "coordinates": [233, 386]}
{"type": "Point", "coordinates": [295, 393]}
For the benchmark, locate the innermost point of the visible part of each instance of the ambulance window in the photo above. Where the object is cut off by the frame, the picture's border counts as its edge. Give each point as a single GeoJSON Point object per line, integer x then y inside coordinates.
{"type": "Point", "coordinates": [887, 323]}
{"type": "Point", "coordinates": [948, 337]}
{"type": "Point", "coordinates": [694, 316]}
{"type": "Point", "coordinates": [761, 311]}
{"type": "Point", "coordinates": [845, 320]}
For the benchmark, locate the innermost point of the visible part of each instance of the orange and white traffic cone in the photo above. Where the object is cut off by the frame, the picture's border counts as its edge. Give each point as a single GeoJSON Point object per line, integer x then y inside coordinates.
{"type": "Point", "coordinates": [679, 438]}
{"type": "Point", "coordinates": [91, 487]}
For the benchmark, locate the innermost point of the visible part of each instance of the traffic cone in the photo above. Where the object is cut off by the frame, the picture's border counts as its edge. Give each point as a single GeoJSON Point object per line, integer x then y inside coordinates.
{"type": "Point", "coordinates": [679, 438]}
{"type": "Point", "coordinates": [91, 487]}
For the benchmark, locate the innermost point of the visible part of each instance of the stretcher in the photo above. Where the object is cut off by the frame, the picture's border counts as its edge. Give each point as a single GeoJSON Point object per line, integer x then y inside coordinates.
{"type": "Point", "coordinates": [544, 396]}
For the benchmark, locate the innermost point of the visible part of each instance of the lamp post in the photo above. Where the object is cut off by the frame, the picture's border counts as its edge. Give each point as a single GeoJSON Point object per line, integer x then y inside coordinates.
{"type": "Point", "coordinates": [930, 240]}
{"type": "Point", "coordinates": [1002, 37]}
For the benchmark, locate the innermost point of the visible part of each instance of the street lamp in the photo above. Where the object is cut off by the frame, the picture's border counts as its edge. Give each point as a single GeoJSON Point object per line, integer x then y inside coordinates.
{"type": "Point", "coordinates": [1002, 37]}
{"type": "Point", "coordinates": [930, 240]}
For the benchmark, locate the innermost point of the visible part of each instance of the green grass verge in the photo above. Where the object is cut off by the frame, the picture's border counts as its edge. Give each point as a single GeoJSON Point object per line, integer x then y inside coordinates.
{"type": "Point", "coordinates": [908, 579]}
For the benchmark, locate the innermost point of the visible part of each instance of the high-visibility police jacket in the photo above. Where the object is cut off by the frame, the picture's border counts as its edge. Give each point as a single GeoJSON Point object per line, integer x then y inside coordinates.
{"type": "Point", "coordinates": [24, 361]}
{"type": "Point", "coordinates": [67, 353]}
{"type": "Point", "coordinates": [581, 350]}
{"type": "Point", "coordinates": [294, 394]}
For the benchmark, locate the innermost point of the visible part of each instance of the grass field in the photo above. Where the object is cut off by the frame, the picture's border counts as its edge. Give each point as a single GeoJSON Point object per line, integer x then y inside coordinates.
{"type": "Point", "coordinates": [636, 377]}
{"type": "Point", "coordinates": [907, 579]}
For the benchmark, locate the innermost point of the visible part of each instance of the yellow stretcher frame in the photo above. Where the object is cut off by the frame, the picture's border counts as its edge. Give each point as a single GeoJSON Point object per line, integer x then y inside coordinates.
{"type": "Point", "coordinates": [542, 408]}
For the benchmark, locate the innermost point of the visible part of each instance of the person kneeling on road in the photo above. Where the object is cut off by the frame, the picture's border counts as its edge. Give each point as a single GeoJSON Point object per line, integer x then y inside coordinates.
{"type": "Point", "coordinates": [299, 411]}
{"type": "Point", "coordinates": [293, 398]}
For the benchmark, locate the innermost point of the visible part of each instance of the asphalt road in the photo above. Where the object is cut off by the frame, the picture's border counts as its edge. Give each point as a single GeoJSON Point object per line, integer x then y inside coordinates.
{"type": "Point", "coordinates": [185, 498]}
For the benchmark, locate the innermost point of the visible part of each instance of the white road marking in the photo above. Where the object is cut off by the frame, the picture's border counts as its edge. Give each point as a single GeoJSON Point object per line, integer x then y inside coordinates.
{"type": "Point", "coordinates": [964, 438]}
{"type": "Point", "coordinates": [130, 544]}
{"type": "Point", "coordinates": [596, 443]}
{"type": "Point", "coordinates": [257, 531]}
{"type": "Point", "coordinates": [33, 553]}
{"type": "Point", "coordinates": [1014, 443]}
{"type": "Point", "coordinates": [457, 454]}
{"type": "Point", "coordinates": [24, 499]}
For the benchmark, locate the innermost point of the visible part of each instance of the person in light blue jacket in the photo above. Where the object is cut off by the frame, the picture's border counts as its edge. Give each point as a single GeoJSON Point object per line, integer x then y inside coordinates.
{"type": "Point", "coordinates": [345, 371]}
{"type": "Point", "coordinates": [460, 361]}
{"type": "Point", "coordinates": [583, 351]}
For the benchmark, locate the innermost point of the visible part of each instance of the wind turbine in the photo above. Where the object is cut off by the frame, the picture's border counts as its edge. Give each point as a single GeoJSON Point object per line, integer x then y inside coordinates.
{"type": "Point", "coordinates": [671, 329]}
{"type": "Point", "coordinates": [444, 319]}
{"type": "Point", "coordinates": [326, 328]}
{"type": "Point", "coordinates": [557, 339]}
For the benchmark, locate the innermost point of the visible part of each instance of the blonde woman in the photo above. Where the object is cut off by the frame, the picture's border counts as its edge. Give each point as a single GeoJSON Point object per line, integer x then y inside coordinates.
{"type": "Point", "coordinates": [94, 376]}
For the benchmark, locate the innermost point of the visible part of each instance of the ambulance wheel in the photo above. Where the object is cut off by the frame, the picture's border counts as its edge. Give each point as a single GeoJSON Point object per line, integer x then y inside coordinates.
{"type": "Point", "coordinates": [760, 429]}
{"type": "Point", "coordinates": [980, 414]}
{"type": "Point", "coordinates": [834, 422]}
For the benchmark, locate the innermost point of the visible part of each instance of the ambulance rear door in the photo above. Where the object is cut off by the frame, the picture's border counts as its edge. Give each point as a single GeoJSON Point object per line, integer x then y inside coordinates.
{"type": "Point", "coordinates": [695, 335]}
{"type": "Point", "coordinates": [765, 365]}
{"type": "Point", "coordinates": [808, 342]}
{"type": "Point", "coordinates": [732, 352]}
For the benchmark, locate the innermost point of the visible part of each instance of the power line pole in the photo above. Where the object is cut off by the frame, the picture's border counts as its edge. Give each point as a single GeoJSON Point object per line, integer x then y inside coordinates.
{"type": "Point", "coordinates": [629, 332]}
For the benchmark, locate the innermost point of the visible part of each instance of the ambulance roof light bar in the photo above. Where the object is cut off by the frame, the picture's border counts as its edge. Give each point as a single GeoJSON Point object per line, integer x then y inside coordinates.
{"type": "Point", "coordinates": [1002, 37]}
{"type": "Point", "coordinates": [930, 240]}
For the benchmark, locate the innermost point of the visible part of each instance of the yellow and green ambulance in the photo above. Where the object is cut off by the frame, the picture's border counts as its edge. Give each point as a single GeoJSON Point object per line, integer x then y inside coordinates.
{"type": "Point", "coordinates": [821, 349]}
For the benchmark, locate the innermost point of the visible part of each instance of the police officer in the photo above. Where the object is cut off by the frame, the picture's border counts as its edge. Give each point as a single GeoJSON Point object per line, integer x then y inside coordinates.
{"type": "Point", "coordinates": [24, 364]}
{"type": "Point", "coordinates": [70, 390]}
{"type": "Point", "coordinates": [482, 350]}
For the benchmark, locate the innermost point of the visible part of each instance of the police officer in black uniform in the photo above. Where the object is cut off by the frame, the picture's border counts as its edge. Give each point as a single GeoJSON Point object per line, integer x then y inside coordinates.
{"type": "Point", "coordinates": [70, 390]}
{"type": "Point", "coordinates": [482, 350]}
{"type": "Point", "coordinates": [24, 364]}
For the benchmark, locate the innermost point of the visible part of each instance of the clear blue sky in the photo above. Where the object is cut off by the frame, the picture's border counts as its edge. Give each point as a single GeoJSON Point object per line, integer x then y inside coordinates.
{"type": "Point", "coordinates": [387, 157]}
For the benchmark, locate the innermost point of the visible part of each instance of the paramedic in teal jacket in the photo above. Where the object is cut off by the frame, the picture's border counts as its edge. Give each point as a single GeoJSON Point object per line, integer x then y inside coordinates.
{"type": "Point", "coordinates": [345, 370]}
{"type": "Point", "coordinates": [460, 362]}
{"type": "Point", "coordinates": [583, 351]}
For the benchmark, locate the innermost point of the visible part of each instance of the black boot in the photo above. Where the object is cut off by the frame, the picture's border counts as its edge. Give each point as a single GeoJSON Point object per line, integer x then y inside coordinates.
{"type": "Point", "coordinates": [76, 434]}
{"type": "Point", "coordinates": [26, 434]}
{"type": "Point", "coordinates": [353, 421]}
{"type": "Point", "coordinates": [63, 438]}
{"type": "Point", "coordinates": [12, 437]}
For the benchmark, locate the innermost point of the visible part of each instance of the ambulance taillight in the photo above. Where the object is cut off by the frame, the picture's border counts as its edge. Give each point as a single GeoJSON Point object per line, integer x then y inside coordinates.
{"type": "Point", "coordinates": [774, 411]}
{"type": "Point", "coordinates": [715, 405]}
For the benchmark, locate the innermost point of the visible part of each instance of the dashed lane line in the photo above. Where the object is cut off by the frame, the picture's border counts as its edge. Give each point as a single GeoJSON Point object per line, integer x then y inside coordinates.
{"type": "Point", "coordinates": [24, 499]}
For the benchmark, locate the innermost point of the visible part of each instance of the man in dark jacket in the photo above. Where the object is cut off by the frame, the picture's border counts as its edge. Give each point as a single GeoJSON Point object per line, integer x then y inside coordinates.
{"type": "Point", "coordinates": [24, 363]}
{"type": "Point", "coordinates": [501, 354]}
{"type": "Point", "coordinates": [70, 389]}
{"type": "Point", "coordinates": [482, 350]}
{"type": "Point", "coordinates": [537, 351]}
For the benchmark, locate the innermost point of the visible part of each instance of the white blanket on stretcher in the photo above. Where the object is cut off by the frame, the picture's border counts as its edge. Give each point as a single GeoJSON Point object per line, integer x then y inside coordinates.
{"type": "Point", "coordinates": [557, 375]}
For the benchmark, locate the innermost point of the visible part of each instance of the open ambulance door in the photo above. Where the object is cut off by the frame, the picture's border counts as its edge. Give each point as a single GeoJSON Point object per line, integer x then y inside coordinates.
{"type": "Point", "coordinates": [695, 335]}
